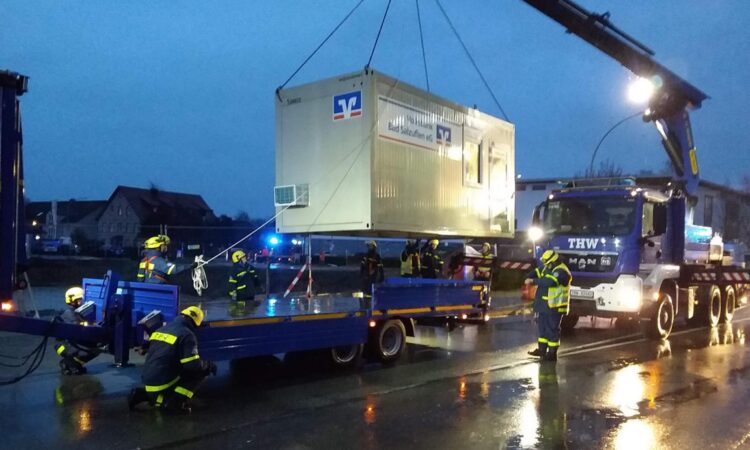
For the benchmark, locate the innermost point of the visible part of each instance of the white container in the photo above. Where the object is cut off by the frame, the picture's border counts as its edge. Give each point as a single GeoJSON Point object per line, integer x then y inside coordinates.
{"type": "Point", "coordinates": [376, 156]}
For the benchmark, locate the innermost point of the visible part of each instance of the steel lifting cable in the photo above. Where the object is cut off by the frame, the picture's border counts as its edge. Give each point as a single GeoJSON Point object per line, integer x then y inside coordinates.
{"type": "Point", "coordinates": [421, 41]}
{"type": "Point", "coordinates": [320, 46]}
{"type": "Point", "coordinates": [447, 19]}
{"type": "Point", "coordinates": [377, 38]}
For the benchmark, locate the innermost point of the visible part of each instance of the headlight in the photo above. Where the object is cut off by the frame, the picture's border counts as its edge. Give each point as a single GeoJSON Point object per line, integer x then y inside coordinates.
{"type": "Point", "coordinates": [631, 298]}
{"type": "Point", "coordinates": [535, 233]}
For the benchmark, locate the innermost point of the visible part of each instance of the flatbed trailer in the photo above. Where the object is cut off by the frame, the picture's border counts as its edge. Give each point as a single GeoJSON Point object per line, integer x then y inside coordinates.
{"type": "Point", "coordinates": [342, 326]}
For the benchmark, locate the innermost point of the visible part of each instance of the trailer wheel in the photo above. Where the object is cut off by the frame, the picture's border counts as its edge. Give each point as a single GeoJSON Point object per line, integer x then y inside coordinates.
{"type": "Point", "coordinates": [714, 306]}
{"type": "Point", "coordinates": [568, 322]}
{"type": "Point", "coordinates": [728, 304]}
{"type": "Point", "coordinates": [388, 341]}
{"type": "Point", "coordinates": [346, 356]}
{"type": "Point", "coordinates": [660, 324]}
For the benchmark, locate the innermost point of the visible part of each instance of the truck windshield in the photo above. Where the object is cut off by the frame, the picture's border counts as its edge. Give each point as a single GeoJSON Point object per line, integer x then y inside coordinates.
{"type": "Point", "coordinates": [613, 216]}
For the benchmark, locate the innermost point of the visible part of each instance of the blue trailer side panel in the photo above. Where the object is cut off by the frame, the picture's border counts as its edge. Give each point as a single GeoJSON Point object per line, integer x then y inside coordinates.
{"type": "Point", "coordinates": [254, 337]}
{"type": "Point", "coordinates": [146, 297]}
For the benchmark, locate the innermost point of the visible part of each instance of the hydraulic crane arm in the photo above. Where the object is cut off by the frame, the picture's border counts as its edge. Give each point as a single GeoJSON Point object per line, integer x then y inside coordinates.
{"type": "Point", "coordinates": [668, 108]}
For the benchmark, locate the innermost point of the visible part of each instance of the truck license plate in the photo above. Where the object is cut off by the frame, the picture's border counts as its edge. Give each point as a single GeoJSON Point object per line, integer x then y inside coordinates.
{"type": "Point", "coordinates": [581, 293]}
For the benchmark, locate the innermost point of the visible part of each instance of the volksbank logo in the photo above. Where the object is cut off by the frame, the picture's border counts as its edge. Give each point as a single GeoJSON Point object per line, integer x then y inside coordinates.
{"type": "Point", "coordinates": [443, 135]}
{"type": "Point", "coordinates": [583, 243]}
{"type": "Point", "coordinates": [346, 106]}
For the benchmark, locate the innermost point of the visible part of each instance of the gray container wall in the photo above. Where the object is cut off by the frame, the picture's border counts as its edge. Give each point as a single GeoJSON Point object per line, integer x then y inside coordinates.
{"type": "Point", "coordinates": [417, 164]}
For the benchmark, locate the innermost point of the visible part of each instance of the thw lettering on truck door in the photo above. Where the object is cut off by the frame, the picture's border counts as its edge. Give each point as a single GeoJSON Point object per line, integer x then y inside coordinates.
{"type": "Point", "coordinates": [583, 243]}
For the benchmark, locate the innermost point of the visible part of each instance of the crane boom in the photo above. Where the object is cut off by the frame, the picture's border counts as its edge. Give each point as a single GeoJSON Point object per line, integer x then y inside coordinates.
{"type": "Point", "coordinates": [668, 108]}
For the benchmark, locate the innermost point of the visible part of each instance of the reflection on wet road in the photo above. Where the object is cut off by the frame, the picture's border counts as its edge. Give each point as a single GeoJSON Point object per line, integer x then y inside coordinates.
{"type": "Point", "coordinates": [470, 388]}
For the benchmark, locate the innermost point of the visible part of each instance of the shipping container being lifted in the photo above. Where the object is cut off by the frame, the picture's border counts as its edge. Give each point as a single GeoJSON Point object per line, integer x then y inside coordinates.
{"type": "Point", "coordinates": [367, 154]}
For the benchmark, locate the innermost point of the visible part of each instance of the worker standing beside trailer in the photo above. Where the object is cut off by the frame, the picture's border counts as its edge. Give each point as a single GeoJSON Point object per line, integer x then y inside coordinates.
{"type": "Point", "coordinates": [410, 262]}
{"type": "Point", "coordinates": [154, 267]}
{"type": "Point", "coordinates": [74, 355]}
{"type": "Point", "coordinates": [371, 268]}
{"type": "Point", "coordinates": [173, 369]}
{"type": "Point", "coordinates": [432, 264]}
{"type": "Point", "coordinates": [551, 303]}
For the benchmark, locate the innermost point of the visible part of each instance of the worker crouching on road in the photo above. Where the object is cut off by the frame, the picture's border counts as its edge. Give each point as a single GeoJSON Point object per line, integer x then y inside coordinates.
{"type": "Point", "coordinates": [371, 268]}
{"type": "Point", "coordinates": [74, 354]}
{"type": "Point", "coordinates": [432, 264]}
{"type": "Point", "coordinates": [173, 369]}
{"type": "Point", "coordinates": [244, 280]}
{"type": "Point", "coordinates": [484, 273]}
{"type": "Point", "coordinates": [551, 302]}
{"type": "Point", "coordinates": [411, 265]}
{"type": "Point", "coordinates": [154, 267]}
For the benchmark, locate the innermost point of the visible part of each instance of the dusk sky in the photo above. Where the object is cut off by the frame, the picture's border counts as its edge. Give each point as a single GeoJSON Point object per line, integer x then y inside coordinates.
{"type": "Point", "coordinates": [181, 94]}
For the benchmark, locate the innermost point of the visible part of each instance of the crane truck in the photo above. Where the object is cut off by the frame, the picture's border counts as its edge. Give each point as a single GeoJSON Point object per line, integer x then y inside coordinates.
{"type": "Point", "coordinates": [633, 250]}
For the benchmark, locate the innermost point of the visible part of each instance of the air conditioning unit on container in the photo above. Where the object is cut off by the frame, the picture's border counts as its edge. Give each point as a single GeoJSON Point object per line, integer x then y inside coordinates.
{"type": "Point", "coordinates": [294, 195]}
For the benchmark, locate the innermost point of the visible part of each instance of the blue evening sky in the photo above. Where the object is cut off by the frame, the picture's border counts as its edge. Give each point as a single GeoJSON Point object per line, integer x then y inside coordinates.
{"type": "Point", "coordinates": [181, 93]}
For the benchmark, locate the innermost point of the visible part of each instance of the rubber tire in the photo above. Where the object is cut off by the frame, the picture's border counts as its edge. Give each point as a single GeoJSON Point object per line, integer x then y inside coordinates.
{"type": "Point", "coordinates": [662, 321]}
{"type": "Point", "coordinates": [568, 323]}
{"type": "Point", "coordinates": [345, 357]}
{"type": "Point", "coordinates": [713, 307]}
{"type": "Point", "coordinates": [728, 304]}
{"type": "Point", "coordinates": [387, 341]}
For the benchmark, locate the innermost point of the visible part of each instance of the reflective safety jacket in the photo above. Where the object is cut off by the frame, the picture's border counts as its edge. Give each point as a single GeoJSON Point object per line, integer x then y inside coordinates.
{"type": "Point", "coordinates": [432, 264]}
{"type": "Point", "coordinates": [553, 288]}
{"type": "Point", "coordinates": [172, 351]}
{"type": "Point", "coordinates": [410, 262]}
{"type": "Point", "coordinates": [154, 268]}
{"type": "Point", "coordinates": [243, 281]}
{"type": "Point", "coordinates": [371, 267]}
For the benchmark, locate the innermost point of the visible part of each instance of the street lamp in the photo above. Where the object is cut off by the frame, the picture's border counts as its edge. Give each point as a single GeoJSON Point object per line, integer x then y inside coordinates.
{"type": "Point", "coordinates": [640, 91]}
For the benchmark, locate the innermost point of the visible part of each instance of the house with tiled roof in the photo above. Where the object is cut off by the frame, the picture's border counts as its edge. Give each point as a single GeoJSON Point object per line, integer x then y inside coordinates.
{"type": "Point", "coordinates": [131, 214]}
{"type": "Point", "coordinates": [56, 219]}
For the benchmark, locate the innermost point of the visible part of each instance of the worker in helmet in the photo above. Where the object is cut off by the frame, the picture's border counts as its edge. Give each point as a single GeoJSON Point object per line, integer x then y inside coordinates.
{"type": "Point", "coordinates": [154, 267]}
{"type": "Point", "coordinates": [244, 280]}
{"type": "Point", "coordinates": [74, 355]}
{"type": "Point", "coordinates": [411, 265]}
{"type": "Point", "coordinates": [484, 273]}
{"type": "Point", "coordinates": [551, 302]}
{"type": "Point", "coordinates": [371, 268]}
{"type": "Point", "coordinates": [432, 264]}
{"type": "Point", "coordinates": [173, 369]}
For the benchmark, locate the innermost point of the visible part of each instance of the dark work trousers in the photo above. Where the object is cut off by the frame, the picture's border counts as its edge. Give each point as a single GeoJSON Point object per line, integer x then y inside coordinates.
{"type": "Point", "coordinates": [549, 328]}
{"type": "Point", "coordinates": [179, 392]}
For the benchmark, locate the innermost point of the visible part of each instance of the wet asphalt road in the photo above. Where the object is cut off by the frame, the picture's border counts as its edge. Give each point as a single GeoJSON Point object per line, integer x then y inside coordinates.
{"type": "Point", "coordinates": [472, 388]}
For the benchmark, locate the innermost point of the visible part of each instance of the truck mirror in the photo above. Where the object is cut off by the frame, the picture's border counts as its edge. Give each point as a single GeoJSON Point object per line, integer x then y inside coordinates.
{"type": "Point", "coordinates": [536, 217]}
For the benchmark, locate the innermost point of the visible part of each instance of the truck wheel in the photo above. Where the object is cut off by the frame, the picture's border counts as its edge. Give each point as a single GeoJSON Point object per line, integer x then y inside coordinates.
{"type": "Point", "coordinates": [714, 306]}
{"type": "Point", "coordinates": [728, 304]}
{"type": "Point", "coordinates": [346, 356]}
{"type": "Point", "coordinates": [660, 324]}
{"type": "Point", "coordinates": [388, 341]}
{"type": "Point", "coordinates": [568, 322]}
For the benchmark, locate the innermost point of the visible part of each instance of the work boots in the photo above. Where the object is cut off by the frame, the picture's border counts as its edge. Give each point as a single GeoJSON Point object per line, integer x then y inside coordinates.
{"type": "Point", "coordinates": [540, 351]}
{"type": "Point", "coordinates": [136, 397]}
{"type": "Point", "coordinates": [69, 366]}
{"type": "Point", "coordinates": [551, 354]}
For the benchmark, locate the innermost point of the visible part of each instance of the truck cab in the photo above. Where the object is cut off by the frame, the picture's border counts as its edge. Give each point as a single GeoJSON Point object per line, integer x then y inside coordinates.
{"type": "Point", "coordinates": [614, 238]}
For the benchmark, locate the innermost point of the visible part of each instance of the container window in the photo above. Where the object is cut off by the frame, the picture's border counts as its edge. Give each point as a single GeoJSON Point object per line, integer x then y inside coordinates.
{"type": "Point", "coordinates": [539, 187]}
{"type": "Point", "coordinates": [472, 163]}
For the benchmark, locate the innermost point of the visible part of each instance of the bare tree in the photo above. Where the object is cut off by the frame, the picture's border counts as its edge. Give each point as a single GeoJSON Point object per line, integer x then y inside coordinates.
{"type": "Point", "coordinates": [607, 169]}
{"type": "Point", "coordinates": [745, 183]}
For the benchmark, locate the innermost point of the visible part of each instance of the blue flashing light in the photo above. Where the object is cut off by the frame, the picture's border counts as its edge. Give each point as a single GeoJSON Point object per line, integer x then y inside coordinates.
{"type": "Point", "coordinates": [274, 240]}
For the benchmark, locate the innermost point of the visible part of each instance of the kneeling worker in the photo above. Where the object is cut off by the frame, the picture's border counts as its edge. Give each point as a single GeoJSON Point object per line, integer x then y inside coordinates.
{"type": "Point", "coordinates": [551, 302]}
{"type": "Point", "coordinates": [173, 370]}
{"type": "Point", "coordinates": [74, 354]}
